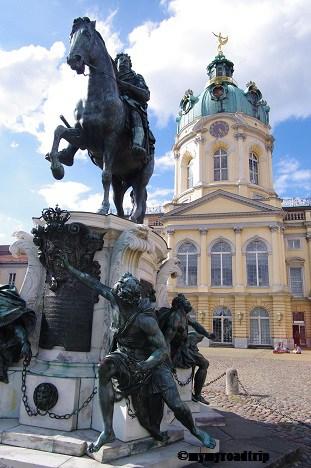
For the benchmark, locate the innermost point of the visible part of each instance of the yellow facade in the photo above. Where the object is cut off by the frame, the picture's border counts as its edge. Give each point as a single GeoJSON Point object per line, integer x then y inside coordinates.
{"type": "Point", "coordinates": [238, 214]}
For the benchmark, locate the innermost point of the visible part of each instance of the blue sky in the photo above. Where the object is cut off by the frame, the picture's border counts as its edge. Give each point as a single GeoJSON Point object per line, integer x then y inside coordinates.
{"type": "Point", "coordinates": [170, 42]}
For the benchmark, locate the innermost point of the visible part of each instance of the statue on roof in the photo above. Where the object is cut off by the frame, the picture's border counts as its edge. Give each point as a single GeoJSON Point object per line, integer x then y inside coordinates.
{"type": "Point", "coordinates": [222, 40]}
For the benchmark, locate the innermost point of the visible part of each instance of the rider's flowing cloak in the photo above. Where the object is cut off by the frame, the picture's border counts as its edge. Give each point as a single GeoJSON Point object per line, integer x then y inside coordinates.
{"type": "Point", "coordinates": [13, 308]}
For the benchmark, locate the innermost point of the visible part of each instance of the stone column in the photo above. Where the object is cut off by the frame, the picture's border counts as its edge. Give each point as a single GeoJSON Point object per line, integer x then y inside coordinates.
{"type": "Point", "coordinates": [177, 175]}
{"type": "Point", "coordinates": [199, 140]}
{"type": "Point", "coordinates": [269, 148]}
{"type": "Point", "coordinates": [308, 238]}
{"type": "Point", "coordinates": [239, 276]}
{"type": "Point", "coordinates": [171, 253]}
{"type": "Point", "coordinates": [242, 176]}
{"type": "Point", "coordinates": [203, 258]}
{"type": "Point", "coordinates": [276, 273]}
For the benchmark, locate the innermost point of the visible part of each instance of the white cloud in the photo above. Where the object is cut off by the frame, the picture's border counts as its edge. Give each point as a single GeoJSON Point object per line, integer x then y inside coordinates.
{"type": "Point", "coordinates": [71, 196]}
{"type": "Point", "coordinates": [14, 144]}
{"type": "Point", "coordinates": [159, 196]}
{"type": "Point", "coordinates": [165, 162]}
{"type": "Point", "coordinates": [268, 42]}
{"type": "Point", "coordinates": [9, 225]}
{"type": "Point", "coordinates": [290, 176]}
{"type": "Point", "coordinates": [36, 86]}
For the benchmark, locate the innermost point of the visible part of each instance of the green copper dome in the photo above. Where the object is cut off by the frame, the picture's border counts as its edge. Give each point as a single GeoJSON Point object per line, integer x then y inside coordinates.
{"type": "Point", "coordinates": [222, 95]}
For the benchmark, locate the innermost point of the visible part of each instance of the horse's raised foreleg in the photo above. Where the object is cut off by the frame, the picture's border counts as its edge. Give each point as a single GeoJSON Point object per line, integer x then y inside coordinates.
{"type": "Point", "coordinates": [73, 136]}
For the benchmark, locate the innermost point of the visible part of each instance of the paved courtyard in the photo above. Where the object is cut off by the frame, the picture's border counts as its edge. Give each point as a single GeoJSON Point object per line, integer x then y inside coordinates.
{"type": "Point", "coordinates": [277, 384]}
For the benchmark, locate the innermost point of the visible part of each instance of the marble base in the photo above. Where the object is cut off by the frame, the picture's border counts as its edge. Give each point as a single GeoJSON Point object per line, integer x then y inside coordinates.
{"type": "Point", "coordinates": [125, 427]}
{"type": "Point", "coordinates": [48, 440]}
{"type": "Point", "coordinates": [10, 394]}
{"type": "Point", "coordinates": [203, 416]}
{"type": "Point", "coordinates": [118, 449]}
{"type": "Point", "coordinates": [72, 392]}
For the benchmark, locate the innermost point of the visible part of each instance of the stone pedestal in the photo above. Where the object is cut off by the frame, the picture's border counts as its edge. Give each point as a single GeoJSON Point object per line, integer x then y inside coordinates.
{"type": "Point", "coordinates": [10, 394]}
{"type": "Point", "coordinates": [125, 427]}
{"type": "Point", "coordinates": [127, 247]}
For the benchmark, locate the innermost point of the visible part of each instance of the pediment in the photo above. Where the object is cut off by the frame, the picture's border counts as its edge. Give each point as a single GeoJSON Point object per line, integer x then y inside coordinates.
{"type": "Point", "coordinates": [221, 202]}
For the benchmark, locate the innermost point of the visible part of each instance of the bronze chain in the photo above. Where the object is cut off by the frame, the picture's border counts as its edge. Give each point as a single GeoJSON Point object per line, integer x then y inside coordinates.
{"type": "Point", "coordinates": [52, 415]}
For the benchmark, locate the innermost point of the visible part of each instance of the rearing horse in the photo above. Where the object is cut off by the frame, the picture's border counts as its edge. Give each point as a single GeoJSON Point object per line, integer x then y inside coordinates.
{"type": "Point", "coordinates": [101, 126]}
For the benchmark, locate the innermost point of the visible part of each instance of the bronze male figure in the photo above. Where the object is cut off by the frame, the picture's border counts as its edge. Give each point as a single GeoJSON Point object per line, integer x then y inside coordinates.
{"type": "Point", "coordinates": [184, 351]}
{"type": "Point", "coordinates": [138, 361]}
{"type": "Point", "coordinates": [16, 323]}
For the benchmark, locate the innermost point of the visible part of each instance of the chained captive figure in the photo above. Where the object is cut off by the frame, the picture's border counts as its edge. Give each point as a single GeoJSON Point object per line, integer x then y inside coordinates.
{"type": "Point", "coordinates": [184, 352]}
{"type": "Point", "coordinates": [138, 361]}
{"type": "Point", "coordinates": [16, 323]}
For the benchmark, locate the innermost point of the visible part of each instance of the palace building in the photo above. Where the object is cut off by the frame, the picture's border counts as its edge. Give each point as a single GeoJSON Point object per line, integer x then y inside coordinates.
{"type": "Point", "coordinates": [245, 259]}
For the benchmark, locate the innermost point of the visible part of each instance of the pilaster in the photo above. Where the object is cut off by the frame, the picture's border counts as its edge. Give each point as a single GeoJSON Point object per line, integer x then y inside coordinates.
{"type": "Point", "coordinates": [239, 270]}
{"type": "Point", "coordinates": [203, 259]}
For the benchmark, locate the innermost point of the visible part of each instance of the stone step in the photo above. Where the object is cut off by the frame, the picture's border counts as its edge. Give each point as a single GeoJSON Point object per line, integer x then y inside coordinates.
{"type": "Point", "coordinates": [117, 449]}
{"type": "Point", "coordinates": [203, 416]}
{"type": "Point", "coordinates": [48, 440]}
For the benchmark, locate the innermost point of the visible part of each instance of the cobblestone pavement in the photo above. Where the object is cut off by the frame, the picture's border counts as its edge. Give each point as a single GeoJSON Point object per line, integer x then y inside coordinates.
{"type": "Point", "coordinates": [277, 384]}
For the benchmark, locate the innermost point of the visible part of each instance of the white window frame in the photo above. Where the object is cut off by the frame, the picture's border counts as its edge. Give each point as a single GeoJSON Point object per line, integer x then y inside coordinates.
{"type": "Point", "coordinates": [293, 247]}
{"type": "Point", "coordinates": [259, 318]}
{"type": "Point", "coordinates": [184, 281]}
{"type": "Point", "coordinates": [300, 267]}
{"type": "Point", "coordinates": [223, 171]}
{"type": "Point", "coordinates": [257, 253]}
{"type": "Point", "coordinates": [221, 254]}
{"type": "Point", "coordinates": [190, 174]}
{"type": "Point", "coordinates": [253, 168]}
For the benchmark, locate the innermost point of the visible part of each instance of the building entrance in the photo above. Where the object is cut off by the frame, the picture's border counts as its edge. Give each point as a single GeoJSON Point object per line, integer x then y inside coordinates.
{"type": "Point", "coordinates": [299, 333]}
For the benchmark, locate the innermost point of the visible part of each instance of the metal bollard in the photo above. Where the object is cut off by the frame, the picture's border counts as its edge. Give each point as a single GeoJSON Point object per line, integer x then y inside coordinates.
{"type": "Point", "coordinates": [232, 382]}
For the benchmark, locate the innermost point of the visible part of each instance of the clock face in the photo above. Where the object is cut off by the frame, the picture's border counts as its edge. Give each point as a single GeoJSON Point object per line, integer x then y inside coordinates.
{"type": "Point", "coordinates": [219, 129]}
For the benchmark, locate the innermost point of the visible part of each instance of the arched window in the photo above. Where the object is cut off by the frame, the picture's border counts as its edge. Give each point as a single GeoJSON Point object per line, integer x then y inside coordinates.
{"type": "Point", "coordinates": [220, 165]}
{"type": "Point", "coordinates": [222, 325]}
{"type": "Point", "coordinates": [253, 168]}
{"type": "Point", "coordinates": [221, 264]}
{"type": "Point", "coordinates": [260, 327]}
{"type": "Point", "coordinates": [188, 256]}
{"type": "Point", "coordinates": [190, 174]}
{"type": "Point", "coordinates": [257, 264]}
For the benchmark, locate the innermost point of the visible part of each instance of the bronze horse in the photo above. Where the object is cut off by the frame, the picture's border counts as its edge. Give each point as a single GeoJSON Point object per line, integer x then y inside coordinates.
{"type": "Point", "coordinates": [102, 126]}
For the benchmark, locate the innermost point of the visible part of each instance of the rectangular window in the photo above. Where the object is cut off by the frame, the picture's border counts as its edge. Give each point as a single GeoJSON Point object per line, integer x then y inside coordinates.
{"type": "Point", "coordinates": [293, 243]}
{"type": "Point", "coordinates": [251, 270]}
{"type": "Point", "coordinates": [296, 283]}
{"type": "Point", "coordinates": [216, 270]}
{"type": "Point", "coordinates": [12, 277]}
{"type": "Point", "coordinates": [263, 272]}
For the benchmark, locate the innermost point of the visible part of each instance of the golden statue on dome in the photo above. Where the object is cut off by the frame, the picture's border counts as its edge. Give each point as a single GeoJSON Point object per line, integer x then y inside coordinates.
{"type": "Point", "coordinates": [222, 40]}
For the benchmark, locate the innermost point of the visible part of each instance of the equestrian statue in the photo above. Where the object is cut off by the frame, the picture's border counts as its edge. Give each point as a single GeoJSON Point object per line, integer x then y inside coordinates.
{"type": "Point", "coordinates": [111, 124]}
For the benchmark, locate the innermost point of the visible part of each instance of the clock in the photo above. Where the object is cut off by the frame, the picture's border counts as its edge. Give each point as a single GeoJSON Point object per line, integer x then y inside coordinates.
{"type": "Point", "coordinates": [219, 129]}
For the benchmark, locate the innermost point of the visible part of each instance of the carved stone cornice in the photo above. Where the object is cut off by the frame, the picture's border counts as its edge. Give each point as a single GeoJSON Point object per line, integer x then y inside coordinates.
{"type": "Point", "coordinates": [169, 268]}
{"type": "Point", "coordinates": [269, 143]}
{"type": "Point", "coordinates": [127, 251]}
{"type": "Point", "coordinates": [273, 227]}
{"type": "Point", "coordinates": [199, 139]}
{"type": "Point", "coordinates": [239, 135]}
